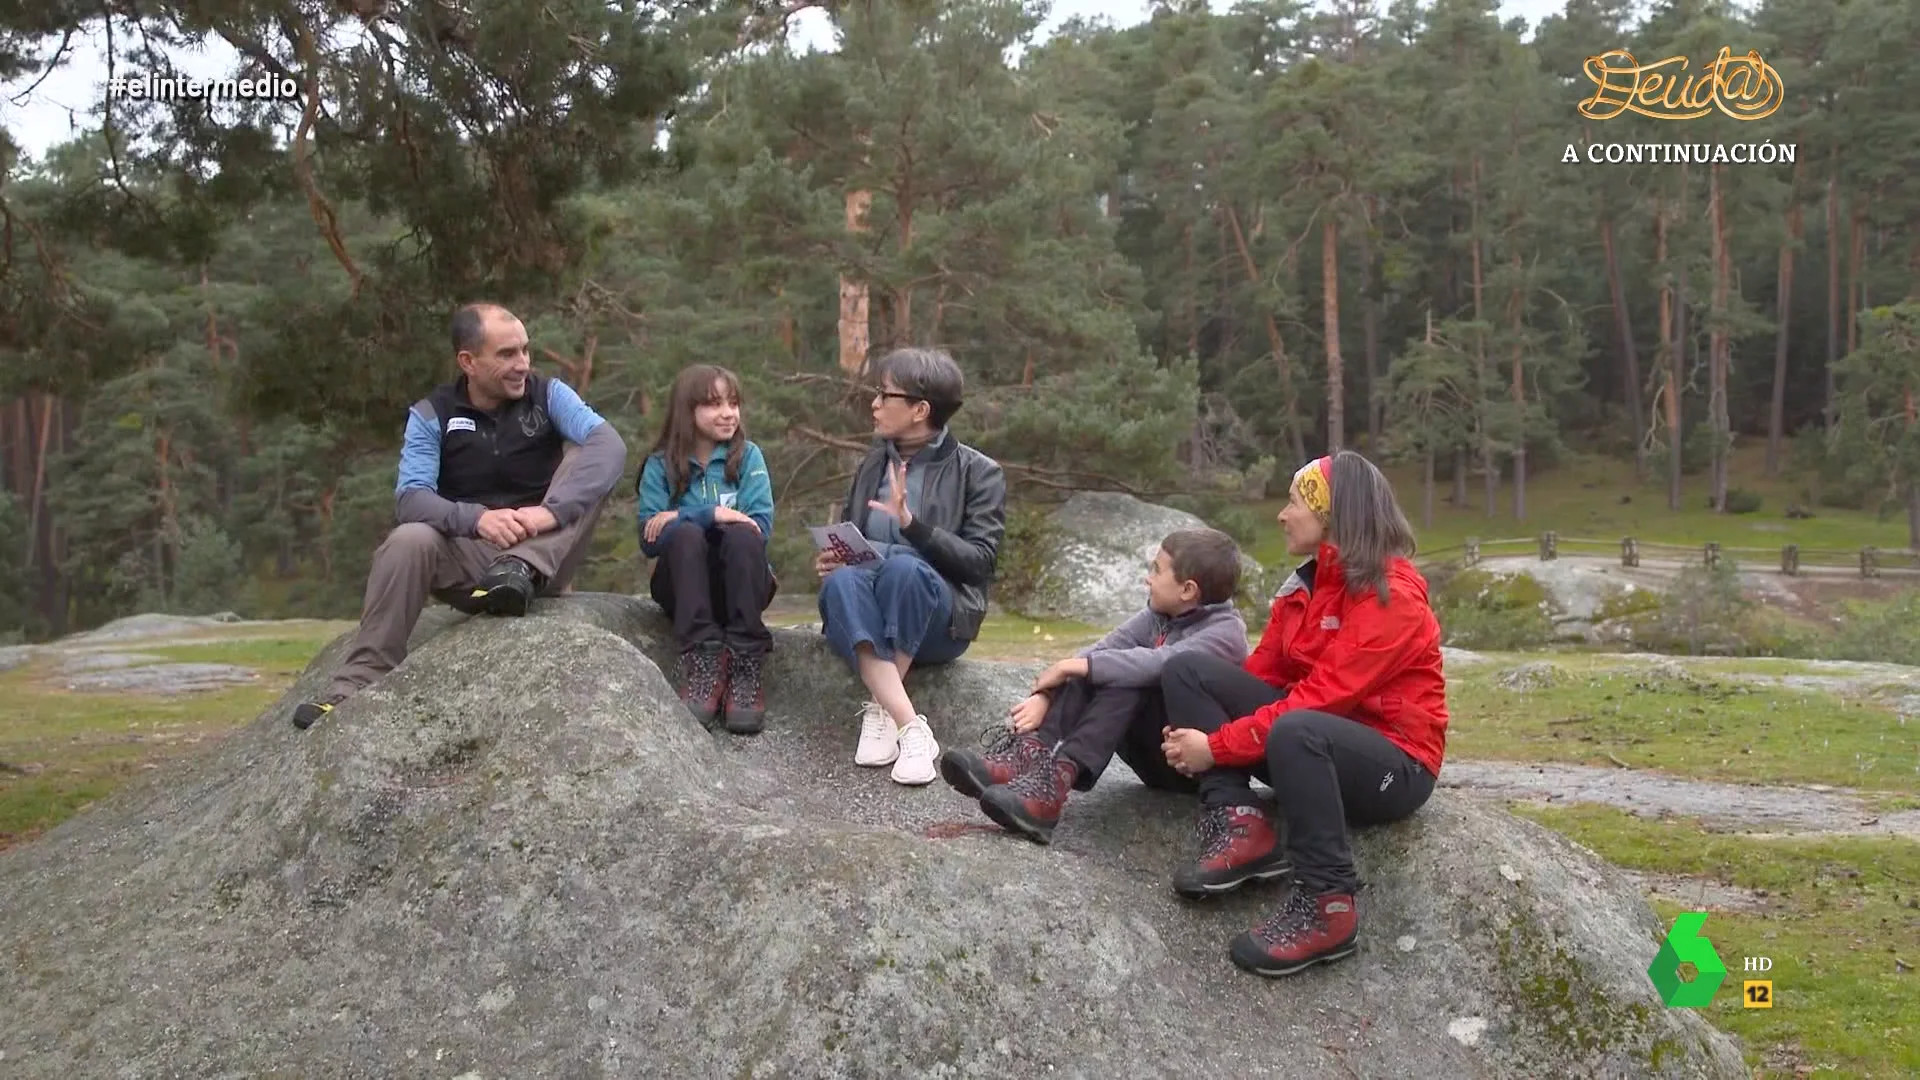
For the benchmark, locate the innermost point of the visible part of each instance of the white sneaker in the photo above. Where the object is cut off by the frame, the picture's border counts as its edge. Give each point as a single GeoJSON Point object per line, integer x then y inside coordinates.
{"type": "Point", "coordinates": [879, 737]}
{"type": "Point", "coordinates": [918, 751]}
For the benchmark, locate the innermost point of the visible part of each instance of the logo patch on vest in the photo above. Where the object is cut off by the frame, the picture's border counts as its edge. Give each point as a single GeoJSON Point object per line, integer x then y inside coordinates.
{"type": "Point", "coordinates": [460, 423]}
{"type": "Point", "coordinates": [729, 498]}
{"type": "Point", "coordinates": [1330, 622]}
{"type": "Point", "coordinates": [533, 421]}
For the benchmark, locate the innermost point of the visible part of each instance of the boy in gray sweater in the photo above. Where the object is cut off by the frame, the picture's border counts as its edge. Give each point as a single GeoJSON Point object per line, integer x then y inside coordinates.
{"type": "Point", "coordinates": [1106, 698]}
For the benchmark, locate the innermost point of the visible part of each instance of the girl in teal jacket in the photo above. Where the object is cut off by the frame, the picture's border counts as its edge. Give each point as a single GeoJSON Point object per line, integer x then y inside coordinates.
{"type": "Point", "coordinates": [706, 511]}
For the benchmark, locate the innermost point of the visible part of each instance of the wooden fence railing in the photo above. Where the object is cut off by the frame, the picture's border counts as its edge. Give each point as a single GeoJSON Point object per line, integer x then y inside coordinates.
{"type": "Point", "coordinates": [1867, 561]}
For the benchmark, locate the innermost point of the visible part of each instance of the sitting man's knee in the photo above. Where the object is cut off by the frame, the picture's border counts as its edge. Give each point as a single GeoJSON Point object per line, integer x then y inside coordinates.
{"type": "Point", "coordinates": [413, 536]}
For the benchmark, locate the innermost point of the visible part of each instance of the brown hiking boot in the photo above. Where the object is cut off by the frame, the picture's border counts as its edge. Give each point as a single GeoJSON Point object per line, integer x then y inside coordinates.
{"type": "Point", "coordinates": [1006, 755]}
{"type": "Point", "coordinates": [746, 702]}
{"type": "Point", "coordinates": [1031, 804]}
{"type": "Point", "coordinates": [1307, 930]}
{"type": "Point", "coordinates": [1237, 845]}
{"type": "Point", "coordinates": [703, 680]}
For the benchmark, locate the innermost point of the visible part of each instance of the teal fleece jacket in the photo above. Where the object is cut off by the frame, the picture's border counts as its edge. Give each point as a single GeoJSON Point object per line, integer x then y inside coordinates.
{"type": "Point", "coordinates": [707, 488]}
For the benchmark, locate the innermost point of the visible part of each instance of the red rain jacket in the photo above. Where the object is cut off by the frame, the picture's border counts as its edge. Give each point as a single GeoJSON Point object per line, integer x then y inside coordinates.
{"type": "Point", "coordinates": [1345, 654]}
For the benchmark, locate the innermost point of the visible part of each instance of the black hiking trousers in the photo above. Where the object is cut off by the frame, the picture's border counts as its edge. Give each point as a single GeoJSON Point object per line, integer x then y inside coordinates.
{"type": "Point", "coordinates": [1326, 771]}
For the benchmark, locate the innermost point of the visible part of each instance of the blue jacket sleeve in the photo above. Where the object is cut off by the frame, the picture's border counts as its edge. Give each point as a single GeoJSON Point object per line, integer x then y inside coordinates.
{"type": "Point", "coordinates": [603, 455]}
{"type": "Point", "coordinates": [419, 455]}
{"type": "Point", "coordinates": [756, 490]}
{"type": "Point", "coordinates": [571, 416]}
{"type": "Point", "coordinates": [653, 499]}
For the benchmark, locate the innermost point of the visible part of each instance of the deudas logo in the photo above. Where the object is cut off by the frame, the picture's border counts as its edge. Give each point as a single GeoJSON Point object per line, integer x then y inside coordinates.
{"type": "Point", "coordinates": [1743, 87]}
{"type": "Point", "coordinates": [1686, 945]}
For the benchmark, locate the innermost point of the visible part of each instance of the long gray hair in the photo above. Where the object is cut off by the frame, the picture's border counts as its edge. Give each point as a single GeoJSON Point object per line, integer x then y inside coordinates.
{"type": "Point", "coordinates": [1365, 523]}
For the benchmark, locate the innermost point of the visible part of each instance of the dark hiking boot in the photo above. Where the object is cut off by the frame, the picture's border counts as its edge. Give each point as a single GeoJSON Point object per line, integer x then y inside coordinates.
{"type": "Point", "coordinates": [1237, 845]}
{"type": "Point", "coordinates": [1307, 930]}
{"type": "Point", "coordinates": [703, 680]}
{"type": "Point", "coordinates": [308, 713]}
{"type": "Point", "coordinates": [746, 702]}
{"type": "Point", "coordinates": [507, 589]}
{"type": "Point", "coordinates": [1031, 804]}
{"type": "Point", "coordinates": [1006, 755]}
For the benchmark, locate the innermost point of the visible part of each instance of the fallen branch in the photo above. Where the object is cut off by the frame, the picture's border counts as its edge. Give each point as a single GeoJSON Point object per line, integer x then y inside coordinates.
{"type": "Point", "coordinates": [1617, 761]}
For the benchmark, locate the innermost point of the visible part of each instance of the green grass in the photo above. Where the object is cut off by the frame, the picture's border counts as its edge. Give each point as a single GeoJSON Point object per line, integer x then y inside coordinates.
{"type": "Point", "coordinates": [1600, 712]}
{"type": "Point", "coordinates": [61, 750]}
{"type": "Point", "coordinates": [1581, 499]}
{"type": "Point", "coordinates": [1839, 911]}
{"type": "Point", "coordinates": [271, 656]}
{"type": "Point", "coordinates": [1010, 637]}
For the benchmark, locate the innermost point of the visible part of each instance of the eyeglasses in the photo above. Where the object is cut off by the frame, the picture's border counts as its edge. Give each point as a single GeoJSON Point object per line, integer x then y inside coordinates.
{"type": "Point", "coordinates": [881, 392]}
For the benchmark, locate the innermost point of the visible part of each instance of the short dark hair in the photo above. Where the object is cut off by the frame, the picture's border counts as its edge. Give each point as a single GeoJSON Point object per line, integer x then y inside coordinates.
{"type": "Point", "coordinates": [928, 374]}
{"type": "Point", "coordinates": [469, 330]}
{"type": "Point", "coordinates": [1207, 557]}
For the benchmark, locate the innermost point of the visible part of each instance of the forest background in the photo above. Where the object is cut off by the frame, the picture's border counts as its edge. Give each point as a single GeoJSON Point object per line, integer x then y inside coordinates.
{"type": "Point", "coordinates": [1175, 259]}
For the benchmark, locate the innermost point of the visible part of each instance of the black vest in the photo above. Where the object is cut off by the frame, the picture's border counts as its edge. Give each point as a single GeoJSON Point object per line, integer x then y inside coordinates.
{"type": "Point", "coordinates": [498, 459]}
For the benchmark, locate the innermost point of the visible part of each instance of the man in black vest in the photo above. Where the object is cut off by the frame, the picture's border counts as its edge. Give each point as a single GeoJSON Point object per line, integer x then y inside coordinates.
{"type": "Point", "coordinates": [502, 477]}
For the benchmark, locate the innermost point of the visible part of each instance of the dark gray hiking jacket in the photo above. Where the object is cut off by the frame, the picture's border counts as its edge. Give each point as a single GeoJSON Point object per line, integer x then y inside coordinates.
{"type": "Point", "coordinates": [959, 520]}
{"type": "Point", "coordinates": [1135, 651]}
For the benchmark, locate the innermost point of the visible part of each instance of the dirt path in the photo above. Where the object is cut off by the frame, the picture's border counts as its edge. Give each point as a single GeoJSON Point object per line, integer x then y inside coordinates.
{"type": "Point", "coordinates": [1741, 807]}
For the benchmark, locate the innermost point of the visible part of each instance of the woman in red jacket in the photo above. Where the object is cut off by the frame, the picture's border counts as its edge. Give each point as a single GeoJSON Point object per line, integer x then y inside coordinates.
{"type": "Point", "coordinates": [1341, 709]}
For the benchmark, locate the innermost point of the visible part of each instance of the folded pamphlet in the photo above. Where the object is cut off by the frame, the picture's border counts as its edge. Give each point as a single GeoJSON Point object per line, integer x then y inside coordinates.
{"type": "Point", "coordinates": [845, 541]}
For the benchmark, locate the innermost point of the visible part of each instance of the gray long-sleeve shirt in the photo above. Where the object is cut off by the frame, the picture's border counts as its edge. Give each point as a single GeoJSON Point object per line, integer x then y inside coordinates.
{"type": "Point", "coordinates": [1135, 651]}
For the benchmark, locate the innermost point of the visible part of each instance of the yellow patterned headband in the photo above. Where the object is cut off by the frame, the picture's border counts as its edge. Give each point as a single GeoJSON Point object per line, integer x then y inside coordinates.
{"type": "Point", "coordinates": [1315, 484]}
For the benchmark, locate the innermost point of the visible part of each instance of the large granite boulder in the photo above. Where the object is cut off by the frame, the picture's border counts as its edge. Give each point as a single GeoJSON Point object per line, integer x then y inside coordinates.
{"type": "Point", "coordinates": [518, 857]}
{"type": "Point", "coordinates": [1101, 545]}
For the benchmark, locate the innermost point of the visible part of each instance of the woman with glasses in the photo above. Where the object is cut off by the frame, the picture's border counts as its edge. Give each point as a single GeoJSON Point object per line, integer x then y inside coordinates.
{"type": "Point", "coordinates": [934, 509]}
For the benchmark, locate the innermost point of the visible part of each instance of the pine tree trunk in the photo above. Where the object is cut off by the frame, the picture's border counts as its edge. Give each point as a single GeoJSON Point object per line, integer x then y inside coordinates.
{"type": "Point", "coordinates": [1274, 341]}
{"type": "Point", "coordinates": [164, 538]}
{"type": "Point", "coordinates": [1856, 286]}
{"type": "Point", "coordinates": [1426, 489]}
{"type": "Point", "coordinates": [1518, 304]}
{"type": "Point", "coordinates": [1490, 470]}
{"type": "Point", "coordinates": [56, 586]}
{"type": "Point", "coordinates": [1669, 384]}
{"type": "Point", "coordinates": [854, 328]}
{"type": "Point", "coordinates": [1460, 477]}
{"type": "Point", "coordinates": [1681, 368]}
{"type": "Point", "coordinates": [1717, 348]}
{"type": "Point", "coordinates": [1629, 355]}
{"type": "Point", "coordinates": [37, 494]}
{"type": "Point", "coordinates": [1783, 315]}
{"type": "Point", "coordinates": [1193, 292]}
{"type": "Point", "coordinates": [1330, 308]}
{"type": "Point", "coordinates": [1830, 408]}
{"type": "Point", "coordinates": [1370, 340]}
